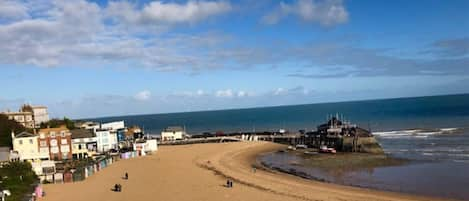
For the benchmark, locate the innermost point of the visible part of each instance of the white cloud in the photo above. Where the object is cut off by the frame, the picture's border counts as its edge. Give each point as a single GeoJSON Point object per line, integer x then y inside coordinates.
{"type": "Point", "coordinates": [279, 91]}
{"type": "Point", "coordinates": [324, 12]}
{"type": "Point", "coordinates": [159, 12]}
{"type": "Point", "coordinates": [242, 94]}
{"type": "Point", "coordinates": [227, 93]}
{"type": "Point", "coordinates": [11, 10]}
{"type": "Point", "coordinates": [192, 11]}
{"type": "Point", "coordinates": [143, 95]}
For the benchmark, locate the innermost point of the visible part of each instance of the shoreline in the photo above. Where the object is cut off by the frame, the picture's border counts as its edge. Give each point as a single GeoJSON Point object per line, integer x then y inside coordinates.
{"type": "Point", "coordinates": [376, 194]}
{"type": "Point", "coordinates": [199, 172]}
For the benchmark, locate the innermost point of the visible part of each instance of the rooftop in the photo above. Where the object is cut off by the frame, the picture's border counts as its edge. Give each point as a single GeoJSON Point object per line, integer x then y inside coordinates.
{"type": "Point", "coordinates": [48, 130]}
{"type": "Point", "coordinates": [82, 133]}
{"type": "Point", "coordinates": [174, 129]}
{"type": "Point", "coordinates": [24, 134]}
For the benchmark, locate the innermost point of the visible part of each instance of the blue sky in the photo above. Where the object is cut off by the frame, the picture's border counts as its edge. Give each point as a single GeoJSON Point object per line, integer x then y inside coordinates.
{"type": "Point", "coordinates": [99, 58]}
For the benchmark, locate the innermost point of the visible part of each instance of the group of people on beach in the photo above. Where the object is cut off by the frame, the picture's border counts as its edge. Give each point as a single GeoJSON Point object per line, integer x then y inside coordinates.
{"type": "Point", "coordinates": [229, 183]}
{"type": "Point", "coordinates": [118, 187]}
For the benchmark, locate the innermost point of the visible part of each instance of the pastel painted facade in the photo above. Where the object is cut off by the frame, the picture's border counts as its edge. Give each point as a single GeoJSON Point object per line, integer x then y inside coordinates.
{"type": "Point", "coordinates": [58, 141]}
{"type": "Point", "coordinates": [24, 118]}
{"type": "Point", "coordinates": [173, 133]}
{"type": "Point", "coordinates": [84, 143]}
{"type": "Point", "coordinates": [26, 145]}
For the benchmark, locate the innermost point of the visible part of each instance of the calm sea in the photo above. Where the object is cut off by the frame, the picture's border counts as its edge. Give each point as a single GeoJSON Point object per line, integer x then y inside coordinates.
{"type": "Point", "coordinates": [378, 115]}
{"type": "Point", "coordinates": [433, 131]}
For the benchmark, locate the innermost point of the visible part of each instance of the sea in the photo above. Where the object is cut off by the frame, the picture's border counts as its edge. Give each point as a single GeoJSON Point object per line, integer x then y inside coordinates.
{"type": "Point", "coordinates": [432, 132]}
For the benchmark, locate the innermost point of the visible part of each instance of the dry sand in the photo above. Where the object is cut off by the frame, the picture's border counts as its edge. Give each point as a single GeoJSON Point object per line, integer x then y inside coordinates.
{"type": "Point", "coordinates": [198, 173]}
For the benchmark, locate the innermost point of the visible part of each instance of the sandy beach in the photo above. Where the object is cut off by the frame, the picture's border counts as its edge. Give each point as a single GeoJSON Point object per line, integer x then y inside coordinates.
{"type": "Point", "coordinates": [199, 172]}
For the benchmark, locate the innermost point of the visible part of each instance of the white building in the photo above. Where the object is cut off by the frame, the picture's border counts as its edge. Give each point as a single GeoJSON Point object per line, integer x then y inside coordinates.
{"type": "Point", "coordinates": [145, 146]}
{"type": "Point", "coordinates": [40, 115]}
{"type": "Point", "coordinates": [114, 126]}
{"type": "Point", "coordinates": [173, 133]}
{"type": "Point", "coordinates": [106, 140]}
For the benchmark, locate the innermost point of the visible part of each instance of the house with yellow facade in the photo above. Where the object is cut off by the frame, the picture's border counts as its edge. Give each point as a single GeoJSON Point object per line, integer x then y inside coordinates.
{"type": "Point", "coordinates": [84, 143]}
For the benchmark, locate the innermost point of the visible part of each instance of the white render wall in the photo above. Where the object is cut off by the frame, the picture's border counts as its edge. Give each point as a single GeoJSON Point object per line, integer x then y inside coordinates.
{"type": "Point", "coordinates": [113, 125]}
{"type": "Point", "coordinates": [40, 115]}
{"type": "Point", "coordinates": [106, 140]}
{"type": "Point", "coordinates": [170, 136]}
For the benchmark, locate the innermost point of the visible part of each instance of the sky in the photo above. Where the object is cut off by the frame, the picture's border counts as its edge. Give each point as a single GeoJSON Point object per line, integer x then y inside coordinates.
{"type": "Point", "coordinates": [109, 58]}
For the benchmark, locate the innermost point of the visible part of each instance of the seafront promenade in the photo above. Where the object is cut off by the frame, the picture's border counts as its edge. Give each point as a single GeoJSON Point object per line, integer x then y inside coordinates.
{"type": "Point", "coordinates": [199, 172]}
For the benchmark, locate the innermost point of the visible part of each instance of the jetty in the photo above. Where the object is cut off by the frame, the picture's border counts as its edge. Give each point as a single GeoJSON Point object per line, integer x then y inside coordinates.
{"type": "Point", "coordinates": [338, 134]}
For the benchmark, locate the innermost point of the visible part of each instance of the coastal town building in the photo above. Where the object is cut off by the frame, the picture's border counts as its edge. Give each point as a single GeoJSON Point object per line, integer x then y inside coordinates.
{"type": "Point", "coordinates": [84, 143]}
{"type": "Point", "coordinates": [173, 133]}
{"type": "Point", "coordinates": [145, 145]}
{"type": "Point", "coordinates": [58, 141]}
{"type": "Point", "coordinates": [113, 126]}
{"type": "Point", "coordinates": [26, 145]}
{"type": "Point", "coordinates": [29, 116]}
{"type": "Point", "coordinates": [24, 118]}
{"type": "Point", "coordinates": [134, 132]}
{"type": "Point", "coordinates": [117, 129]}
{"type": "Point", "coordinates": [106, 140]}
{"type": "Point", "coordinates": [40, 114]}
{"type": "Point", "coordinates": [89, 125]}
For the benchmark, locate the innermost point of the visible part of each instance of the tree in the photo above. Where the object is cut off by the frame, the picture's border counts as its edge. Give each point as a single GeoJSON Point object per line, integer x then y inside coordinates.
{"type": "Point", "coordinates": [55, 123]}
{"type": "Point", "coordinates": [6, 126]}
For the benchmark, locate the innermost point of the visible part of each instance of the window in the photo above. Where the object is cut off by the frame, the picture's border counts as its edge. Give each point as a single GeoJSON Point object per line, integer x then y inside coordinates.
{"type": "Point", "coordinates": [43, 143]}
{"type": "Point", "coordinates": [41, 135]}
{"type": "Point", "coordinates": [53, 142]}
{"type": "Point", "coordinates": [20, 141]}
{"type": "Point", "coordinates": [79, 147]}
{"type": "Point", "coordinates": [63, 141]}
{"type": "Point", "coordinates": [44, 150]}
{"type": "Point", "coordinates": [30, 141]}
{"type": "Point", "coordinates": [52, 134]}
{"type": "Point", "coordinates": [62, 133]}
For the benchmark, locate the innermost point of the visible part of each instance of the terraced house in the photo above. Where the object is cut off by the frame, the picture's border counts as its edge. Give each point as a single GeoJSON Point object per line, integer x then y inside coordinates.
{"type": "Point", "coordinates": [58, 141]}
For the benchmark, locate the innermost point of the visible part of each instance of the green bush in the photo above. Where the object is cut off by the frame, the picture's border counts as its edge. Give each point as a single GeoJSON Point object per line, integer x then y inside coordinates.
{"type": "Point", "coordinates": [19, 178]}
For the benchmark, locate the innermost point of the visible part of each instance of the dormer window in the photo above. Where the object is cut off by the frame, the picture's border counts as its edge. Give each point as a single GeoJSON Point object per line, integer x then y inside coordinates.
{"type": "Point", "coordinates": [62, 133]}
{"type": "Point", "coordinates": [52, 134]}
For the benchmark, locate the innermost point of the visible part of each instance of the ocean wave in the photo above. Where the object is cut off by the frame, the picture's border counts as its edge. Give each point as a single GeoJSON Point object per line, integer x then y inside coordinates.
{"type": "Point", "coordinates": [448, 129]}
{"type": "Point", "coordinates": [417, 133]}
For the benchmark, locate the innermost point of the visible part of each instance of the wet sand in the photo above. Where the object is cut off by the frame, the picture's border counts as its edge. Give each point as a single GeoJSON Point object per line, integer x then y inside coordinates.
{"type": "Point", "coordinates": [199, 172]}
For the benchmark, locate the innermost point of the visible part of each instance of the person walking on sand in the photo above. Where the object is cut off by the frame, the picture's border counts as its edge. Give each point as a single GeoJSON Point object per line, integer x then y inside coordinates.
{"type": "Point", "coordinates": [126, 176]}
